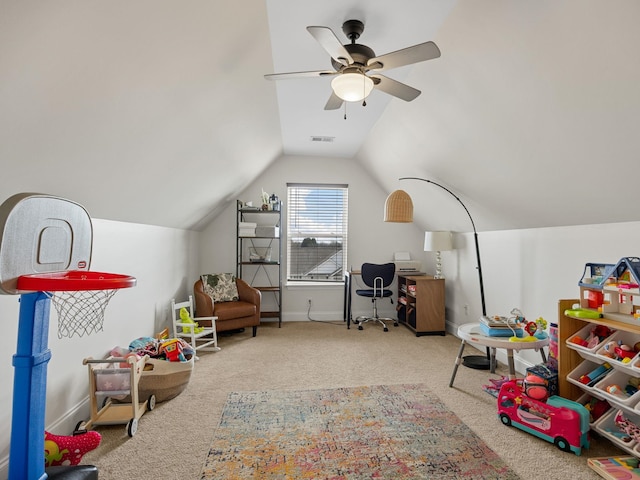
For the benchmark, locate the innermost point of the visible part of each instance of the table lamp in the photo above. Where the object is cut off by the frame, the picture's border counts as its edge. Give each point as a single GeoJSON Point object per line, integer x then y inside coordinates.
{"type": "Point", "coordinates": [438, 242]}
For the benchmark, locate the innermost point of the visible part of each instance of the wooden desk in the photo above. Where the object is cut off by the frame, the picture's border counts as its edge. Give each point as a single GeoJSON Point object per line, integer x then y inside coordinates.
{"type": "Point", "coordinates": [421, 304]}
{"type": "Point", "coordinates": [428, 302]}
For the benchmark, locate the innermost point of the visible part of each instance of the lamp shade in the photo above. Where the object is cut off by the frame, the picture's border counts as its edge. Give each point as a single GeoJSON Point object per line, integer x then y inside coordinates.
{"type": "Point", "coordinates": [352, 87]}
{"type": "Point", "coordinates": [398, 207]}
{"type": "Point", "coordinates": [437, 241]}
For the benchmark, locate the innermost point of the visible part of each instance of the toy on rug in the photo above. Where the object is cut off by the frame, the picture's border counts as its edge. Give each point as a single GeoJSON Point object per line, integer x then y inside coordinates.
{"type": "Point", "coordinates": [494, 385]}
{"type": "Point", "coordinates": [184, 316]}
{"type": "Point", "coordinates": [560, 421]}
{"type": "Point", "coordinates": [536, 387]}
{"type": "Point", "coordinates": [68, 450]}
{"type": "Point", "coordinates": [613, 468]}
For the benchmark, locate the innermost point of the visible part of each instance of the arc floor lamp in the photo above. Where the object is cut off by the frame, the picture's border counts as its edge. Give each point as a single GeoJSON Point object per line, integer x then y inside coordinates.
{"type": "Point", "coordinates": [399, 208]}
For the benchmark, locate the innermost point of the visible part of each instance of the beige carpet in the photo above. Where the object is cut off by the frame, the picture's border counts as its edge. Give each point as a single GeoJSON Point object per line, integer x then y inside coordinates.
{"type": "Point", "coordinates": [172, 441]}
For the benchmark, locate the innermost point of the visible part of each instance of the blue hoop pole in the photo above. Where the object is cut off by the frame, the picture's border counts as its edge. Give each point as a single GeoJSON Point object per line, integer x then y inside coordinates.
{"type": "Point", "coordinates": [26, 457]}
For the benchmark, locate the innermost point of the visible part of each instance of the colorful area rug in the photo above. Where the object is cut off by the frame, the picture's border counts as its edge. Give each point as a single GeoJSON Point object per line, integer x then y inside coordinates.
{"type": "Point", "coordinates": [386, 432]}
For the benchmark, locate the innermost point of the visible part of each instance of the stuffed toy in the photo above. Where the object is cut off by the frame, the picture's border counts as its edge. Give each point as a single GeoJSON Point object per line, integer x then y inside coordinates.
{"type": "Point", "coordinates": [185, 318]}
{"type": "Point", "coordinates": [121, 352]}
{"type": "Point", "coordinates": [68, 450]}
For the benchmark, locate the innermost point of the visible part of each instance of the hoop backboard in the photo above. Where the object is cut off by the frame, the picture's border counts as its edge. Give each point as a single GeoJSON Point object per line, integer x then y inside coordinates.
{"type": "Point", "coordinates": [41, 233]}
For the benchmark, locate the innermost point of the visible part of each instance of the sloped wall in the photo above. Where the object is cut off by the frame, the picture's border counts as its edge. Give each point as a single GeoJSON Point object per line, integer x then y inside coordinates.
{"type": "Point", "coordinates": [163, 261]}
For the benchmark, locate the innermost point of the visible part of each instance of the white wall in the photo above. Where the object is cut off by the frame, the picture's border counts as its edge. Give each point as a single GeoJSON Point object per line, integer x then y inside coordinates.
{"type": "Point", "coordinates": [370, 239]}
{"type": "Point", "coordinates": [164, 261]}
{"type": "Point", "coordinates": [530, 269]}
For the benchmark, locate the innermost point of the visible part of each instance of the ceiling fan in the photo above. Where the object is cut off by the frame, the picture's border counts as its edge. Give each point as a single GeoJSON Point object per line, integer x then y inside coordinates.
{"type": "Point", "coordinates": [353, 63]}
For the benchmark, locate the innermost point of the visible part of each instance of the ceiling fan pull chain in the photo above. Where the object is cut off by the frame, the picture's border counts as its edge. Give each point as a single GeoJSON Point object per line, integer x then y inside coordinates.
{"type": "Point", "coordinates": [364, 90]}
{"type": "Point", "coordinates": [345, 110]}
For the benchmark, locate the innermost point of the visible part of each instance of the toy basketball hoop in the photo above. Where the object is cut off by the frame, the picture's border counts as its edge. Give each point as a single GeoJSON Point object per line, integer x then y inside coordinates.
{"type": "Point", "coordinates": [79, 297]}
{"type": "Point", "coordinates": [45, 255]}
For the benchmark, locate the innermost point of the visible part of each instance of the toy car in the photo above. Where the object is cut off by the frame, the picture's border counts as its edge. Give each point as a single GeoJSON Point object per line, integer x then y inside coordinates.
{"type": "Point", "coordinates": [563, 422]}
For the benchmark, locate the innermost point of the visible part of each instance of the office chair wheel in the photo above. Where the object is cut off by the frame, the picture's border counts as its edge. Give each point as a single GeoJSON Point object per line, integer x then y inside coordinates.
{"type": "Point", "coordinates": [360, 327]}
{"type": "Point", "coordinates": [395, 324]}
{"type": "Point", "coordinates": [386, 329]}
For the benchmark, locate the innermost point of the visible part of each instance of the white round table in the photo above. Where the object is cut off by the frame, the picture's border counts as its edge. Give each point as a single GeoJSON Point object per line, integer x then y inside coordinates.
{"type": "Point", "coordinates": [472, 334]}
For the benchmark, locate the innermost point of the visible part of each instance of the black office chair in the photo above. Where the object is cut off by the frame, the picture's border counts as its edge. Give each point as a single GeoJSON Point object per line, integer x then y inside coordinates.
{"type": "Point", "coordinates": [378, 278]}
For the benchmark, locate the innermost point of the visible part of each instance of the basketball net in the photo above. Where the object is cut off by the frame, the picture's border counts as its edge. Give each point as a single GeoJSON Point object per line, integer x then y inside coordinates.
{"type": "Point", "coordinates": [80, 311]}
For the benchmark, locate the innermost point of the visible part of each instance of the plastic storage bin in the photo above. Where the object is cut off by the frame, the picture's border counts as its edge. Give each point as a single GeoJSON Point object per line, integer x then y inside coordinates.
{"type": "Point", "coordinates": [607, 428]}
{"type": "Point", "coordinates": [587, 367]}
{"type": "Point", "coordinates": [619, 379]}
{"type": "Point", "coordinates": [590, 402]}
{"type": "Point", "coordinates": [584, 334]}
{"type": "Point", "coordinates": [620, 337]}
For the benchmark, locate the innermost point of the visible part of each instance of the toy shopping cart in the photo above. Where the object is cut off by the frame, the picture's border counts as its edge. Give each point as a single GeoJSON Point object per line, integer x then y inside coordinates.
{"type": "Point", "coordinates": [114, 379]}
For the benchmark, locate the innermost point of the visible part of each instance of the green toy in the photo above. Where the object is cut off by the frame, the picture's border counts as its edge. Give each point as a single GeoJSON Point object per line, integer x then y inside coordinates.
{"type": "Point", "coordinates": [184, 316]}
{"type": "Point", "coordinates": [583, 313]}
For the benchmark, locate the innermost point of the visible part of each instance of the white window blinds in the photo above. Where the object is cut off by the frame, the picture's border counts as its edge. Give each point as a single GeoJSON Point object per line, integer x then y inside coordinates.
{"type": "Point", "coordinates": [316, 232]}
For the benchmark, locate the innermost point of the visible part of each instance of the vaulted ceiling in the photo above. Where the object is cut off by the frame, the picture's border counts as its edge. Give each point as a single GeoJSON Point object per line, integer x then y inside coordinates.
{"type": "Point", "coordinates": [157, 112]}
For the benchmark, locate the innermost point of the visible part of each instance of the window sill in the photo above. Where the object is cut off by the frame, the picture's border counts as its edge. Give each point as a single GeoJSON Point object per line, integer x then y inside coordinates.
{"type": "Point", "coordinates": [303, 285]}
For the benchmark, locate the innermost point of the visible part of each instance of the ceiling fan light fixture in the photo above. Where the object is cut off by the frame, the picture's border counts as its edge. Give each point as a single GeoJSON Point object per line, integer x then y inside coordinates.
{"type": "Point", "coordinates": [352, 87]}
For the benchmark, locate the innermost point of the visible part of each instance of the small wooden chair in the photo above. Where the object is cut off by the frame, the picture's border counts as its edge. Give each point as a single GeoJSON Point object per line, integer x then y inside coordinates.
{"type": "Point", "coordinates": [205, 339]}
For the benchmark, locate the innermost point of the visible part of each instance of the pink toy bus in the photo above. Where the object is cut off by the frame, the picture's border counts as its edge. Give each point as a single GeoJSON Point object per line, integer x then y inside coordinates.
{"type": "Point", "coordinates": [560, 421]}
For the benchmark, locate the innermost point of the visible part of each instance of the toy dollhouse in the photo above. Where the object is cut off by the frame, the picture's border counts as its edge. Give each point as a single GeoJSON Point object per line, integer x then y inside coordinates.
{"type": "Point", "coordinates": [621, 286]}
{"type": "Point", "coordinates": [614, 290]}
{"type": "Point", "coordinates": [591, 283]}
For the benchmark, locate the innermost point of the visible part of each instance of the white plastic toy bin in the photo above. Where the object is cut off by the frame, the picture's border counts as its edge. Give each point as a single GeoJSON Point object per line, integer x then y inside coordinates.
{"type": "Point", "coordinates": [620, 337]}
{"type": "Point", "coordinates": [585, 333]}
{"type": "Point", "coordinates": [621, 380]}
{"type": "Point", "coordinates": [585, 368]}
{"type": "Point", "coordinates": [606, 427]}
{"type": "Point", "coordinates": [585, 400]}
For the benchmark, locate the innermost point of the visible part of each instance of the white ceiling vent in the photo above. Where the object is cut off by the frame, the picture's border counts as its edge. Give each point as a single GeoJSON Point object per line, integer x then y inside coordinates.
{"type": "Point", "coordinates": [322, 139]}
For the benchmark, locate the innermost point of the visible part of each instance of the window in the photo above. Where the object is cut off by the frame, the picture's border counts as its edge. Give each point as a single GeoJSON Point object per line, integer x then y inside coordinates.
{"type": "Point", "coordinates": [316, 232]}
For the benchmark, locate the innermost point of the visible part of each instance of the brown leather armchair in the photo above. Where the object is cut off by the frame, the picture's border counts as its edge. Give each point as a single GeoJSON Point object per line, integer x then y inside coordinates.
{"type": "Point", "coordinates": [231, 315]}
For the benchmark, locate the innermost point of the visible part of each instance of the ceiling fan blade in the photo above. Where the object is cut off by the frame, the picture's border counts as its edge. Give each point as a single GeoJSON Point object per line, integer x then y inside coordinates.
{"type": "Point", "coordinates": [334, 102]}
{"type": "Point", "coordinates": [406, 56]}
{"type": "Point", "coordinates": [284, 76]}
{"type": "Point", "coordinates": [395, 88]}
{"type": "Point", "coordinates": [328, 40]}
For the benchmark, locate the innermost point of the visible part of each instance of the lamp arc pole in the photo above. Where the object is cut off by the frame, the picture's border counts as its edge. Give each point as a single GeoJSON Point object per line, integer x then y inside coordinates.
{"type": "Point", "coordinates": [475, 235]}
{"type": "Point", "coordinates": [472, 361]}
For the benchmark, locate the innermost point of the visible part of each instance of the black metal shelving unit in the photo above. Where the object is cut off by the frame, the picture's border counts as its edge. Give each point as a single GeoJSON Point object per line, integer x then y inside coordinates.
{"type": "Point", "coordinates": [259, 256]}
